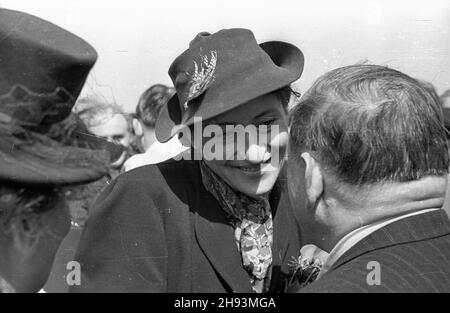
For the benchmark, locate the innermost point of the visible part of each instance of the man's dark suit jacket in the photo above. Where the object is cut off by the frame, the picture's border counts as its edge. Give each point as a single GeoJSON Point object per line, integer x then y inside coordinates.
{"type": "Point", "coordinates": [413, 253]}
{"type": "Point", "coordinates": [156, 229]}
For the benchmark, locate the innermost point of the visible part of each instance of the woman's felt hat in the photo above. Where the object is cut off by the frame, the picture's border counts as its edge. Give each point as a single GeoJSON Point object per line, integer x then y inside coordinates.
{"type": "Point", "coordinates": [221, 71]}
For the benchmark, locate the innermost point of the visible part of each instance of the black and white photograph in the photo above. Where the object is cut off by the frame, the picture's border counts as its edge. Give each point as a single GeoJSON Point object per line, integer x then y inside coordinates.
{"type": "Point", "coordinates": [231, 154]}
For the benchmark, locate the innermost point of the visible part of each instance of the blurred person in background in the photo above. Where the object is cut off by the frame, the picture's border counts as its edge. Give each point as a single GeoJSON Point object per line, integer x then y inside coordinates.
{"type": "Point", "coordinates": [80, 199]}
{"type": "Point", "coordinates": [147, 111]}
{"type": "Point", "coordinates": [42, 71]}
{"type": "Point", "coordinates": [108, 121]}
{"type": "Point", "coordinates": [72, 131]}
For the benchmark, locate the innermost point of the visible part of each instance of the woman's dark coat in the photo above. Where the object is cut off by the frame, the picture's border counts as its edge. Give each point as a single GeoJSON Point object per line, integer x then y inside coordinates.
{"type": "Point", "coordinates": [156, 229]}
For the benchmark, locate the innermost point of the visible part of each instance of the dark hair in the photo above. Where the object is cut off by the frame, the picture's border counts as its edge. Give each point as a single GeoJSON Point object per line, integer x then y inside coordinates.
{"type": "Point", "coordinates": [285, 95]}
{"type": "Point", "coordinates": [369, 123]}
{"type": "Point", "coordinates": [151, 102]}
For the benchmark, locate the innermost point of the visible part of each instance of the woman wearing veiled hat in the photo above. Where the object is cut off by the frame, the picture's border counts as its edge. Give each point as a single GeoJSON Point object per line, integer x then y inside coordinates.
{"type": "Point", "coordinates": [197, 223]}
{"type": "Point", "coordinates": [42, 70]}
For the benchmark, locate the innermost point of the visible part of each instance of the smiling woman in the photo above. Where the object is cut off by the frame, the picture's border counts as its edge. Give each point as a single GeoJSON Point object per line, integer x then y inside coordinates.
{"type": "Point", "coordinates": [205, 224]}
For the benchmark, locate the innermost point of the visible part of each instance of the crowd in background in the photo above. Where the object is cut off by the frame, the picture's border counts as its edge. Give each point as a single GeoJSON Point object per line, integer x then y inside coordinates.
{"type": "Point", "coordinates": [134, 133]}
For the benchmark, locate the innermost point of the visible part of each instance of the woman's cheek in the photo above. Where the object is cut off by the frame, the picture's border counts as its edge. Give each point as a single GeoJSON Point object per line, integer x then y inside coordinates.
{"type": "Point", "coordinates": [278, 145]}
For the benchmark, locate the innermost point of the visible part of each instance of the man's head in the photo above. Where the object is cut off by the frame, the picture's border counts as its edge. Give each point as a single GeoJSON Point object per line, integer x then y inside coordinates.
{"type": "Point", "coordinates": [108, 121]}
{"type": "Point", "coordinates": [362, 138]}
{"type": "Point", "coordinates": [147, 111]}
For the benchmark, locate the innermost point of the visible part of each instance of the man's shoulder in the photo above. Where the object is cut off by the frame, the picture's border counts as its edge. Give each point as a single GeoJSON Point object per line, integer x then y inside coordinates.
{"type": "Point", "coordinates": [422, 266]}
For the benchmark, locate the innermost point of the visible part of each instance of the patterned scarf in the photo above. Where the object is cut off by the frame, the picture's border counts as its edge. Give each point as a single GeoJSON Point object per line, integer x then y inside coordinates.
{"type": "Point", "coordinates": [252, 221]}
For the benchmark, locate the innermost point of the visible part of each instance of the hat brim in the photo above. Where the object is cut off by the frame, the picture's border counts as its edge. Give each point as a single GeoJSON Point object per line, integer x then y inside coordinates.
{"type": "Point", "coordinates": [43, 161]}
{"type": "Point", "coordinates": [289, 63]}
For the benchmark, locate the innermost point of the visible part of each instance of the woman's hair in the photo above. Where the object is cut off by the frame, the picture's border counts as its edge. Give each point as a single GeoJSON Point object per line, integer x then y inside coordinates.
{"type": "Point", "coordinates": [285, 95]}
{"type": "Point", "coordinates": [21, 209]}
{"type": "Point", "coordinates": [151, 102]}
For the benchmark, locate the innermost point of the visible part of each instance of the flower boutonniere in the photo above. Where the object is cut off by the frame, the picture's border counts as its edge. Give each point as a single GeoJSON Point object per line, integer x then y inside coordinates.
{"type": "Point", "coordinates": [306, 267]}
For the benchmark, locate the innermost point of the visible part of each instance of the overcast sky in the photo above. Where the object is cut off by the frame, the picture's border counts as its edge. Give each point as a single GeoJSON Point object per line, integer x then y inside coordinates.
{"type": "Point", "coordinates": [138, 40]}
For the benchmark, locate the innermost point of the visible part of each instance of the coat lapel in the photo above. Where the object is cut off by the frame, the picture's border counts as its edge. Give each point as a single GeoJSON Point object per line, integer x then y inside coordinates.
{"type": "Point", "coordinates": [216, 239]}
{"type": "Point", "coordinates": [280, 226]}
{"type": "Point", "coordinates": [286, 237]}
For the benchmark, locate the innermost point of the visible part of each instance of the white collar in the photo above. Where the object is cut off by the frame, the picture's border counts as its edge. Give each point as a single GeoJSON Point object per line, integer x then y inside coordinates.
{"type": "Point", "coordinates": [352, 238]}
{"type": "Point", "coordinates": [157, 152]}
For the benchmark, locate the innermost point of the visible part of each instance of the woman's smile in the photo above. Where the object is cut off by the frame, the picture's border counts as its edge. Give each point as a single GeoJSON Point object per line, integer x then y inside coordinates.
{"type": "Point", "coordinates": [253, 169]}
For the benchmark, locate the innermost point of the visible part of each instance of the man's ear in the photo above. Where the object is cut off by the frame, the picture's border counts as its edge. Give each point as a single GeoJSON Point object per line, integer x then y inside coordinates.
{"type": "Point", "coordinates": [313, 178]}
{"type": "Point", "coordinates": [137, 127]}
